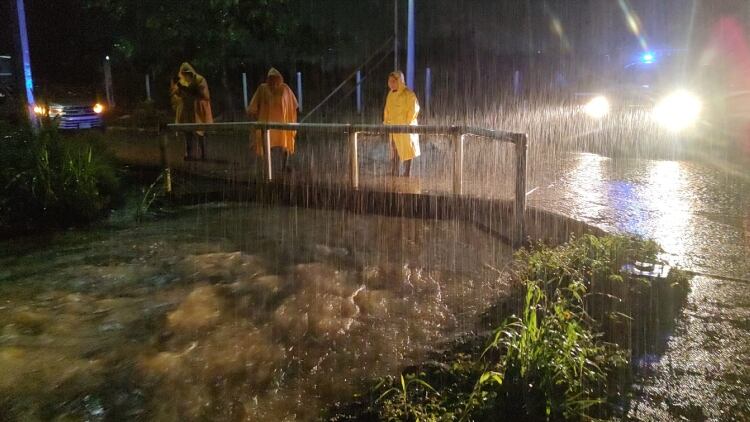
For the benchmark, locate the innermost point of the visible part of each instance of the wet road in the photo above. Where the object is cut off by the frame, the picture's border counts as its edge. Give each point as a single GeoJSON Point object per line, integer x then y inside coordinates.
{"type": "Point", "coordinates": [701, 217]}
{"type": "Point", "coordinates": [698, 212]}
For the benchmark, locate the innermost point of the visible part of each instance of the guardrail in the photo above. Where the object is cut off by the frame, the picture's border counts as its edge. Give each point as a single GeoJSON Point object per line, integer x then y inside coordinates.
{"type": "Point", "coordinates": [458, 136]}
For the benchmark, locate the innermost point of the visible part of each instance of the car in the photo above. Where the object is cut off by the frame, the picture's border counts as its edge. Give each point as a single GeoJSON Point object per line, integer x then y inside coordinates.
{"type": "Point", "coordinates": [656, 100]}
{"type": "Point", "coordinates": [654, 84]}
{"type": "Point", "coordinates": [71, 109]}
{"type": "Point", "coordinates": [66, 108]}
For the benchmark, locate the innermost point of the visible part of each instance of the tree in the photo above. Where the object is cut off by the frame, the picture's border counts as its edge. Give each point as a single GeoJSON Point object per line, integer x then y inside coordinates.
{"type": "Point", "coordinates": [218, 35]}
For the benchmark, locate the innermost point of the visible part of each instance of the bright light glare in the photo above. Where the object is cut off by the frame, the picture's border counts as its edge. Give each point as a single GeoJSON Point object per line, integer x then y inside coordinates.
{"type": "Point", "coordinates": [38, 109]}
{"type": "Point", "coordinates": [98, 108]}
{"type": "Point", "coordinates": [647, 58]}
{"type": "Point", "coordinates": [597, 108]}
{"type": "Point", "coordinates": [678, 111]}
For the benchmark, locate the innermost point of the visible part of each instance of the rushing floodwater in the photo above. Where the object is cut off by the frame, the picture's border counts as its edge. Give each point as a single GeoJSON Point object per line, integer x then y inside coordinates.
{"type": "Point", "coordinates": [231, 313]}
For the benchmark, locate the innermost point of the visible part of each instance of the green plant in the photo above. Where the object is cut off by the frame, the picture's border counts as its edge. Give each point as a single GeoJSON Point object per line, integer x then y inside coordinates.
{"type": "Point", "coordinates": [48, 180]}
{"type": "Point", "coordinates": [555, 360]}
{"type": "Point", "coordinates": [553, 364]}
{"type": "Point", "coordinates": [546, 365]}
{"type": "Point", "coordinates": [149, 195]}
{"type": "Point", "coordinates": [625, 307]}
{"type": "Point", "coordinates": [401, 407]}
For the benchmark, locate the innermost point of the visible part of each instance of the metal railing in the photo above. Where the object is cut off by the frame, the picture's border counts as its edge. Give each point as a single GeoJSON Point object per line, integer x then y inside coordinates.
{"type": "Point", "coordinates": [457, 134]}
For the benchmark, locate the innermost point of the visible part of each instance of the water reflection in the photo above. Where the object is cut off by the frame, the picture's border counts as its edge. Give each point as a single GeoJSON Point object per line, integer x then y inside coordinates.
{"type": "Point", "coordinates": [586, 188]}
{"type": "Point", "coordinates": [649, 199]}
{"type": "Point", "coordinates": [655, 205]}
{"type": "Point", "coordinates": [667, 194]}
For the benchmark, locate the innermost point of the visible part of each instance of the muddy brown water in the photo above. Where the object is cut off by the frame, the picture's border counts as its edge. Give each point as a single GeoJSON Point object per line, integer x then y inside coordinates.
{"type": "Point", "coordinates": [231, 312]}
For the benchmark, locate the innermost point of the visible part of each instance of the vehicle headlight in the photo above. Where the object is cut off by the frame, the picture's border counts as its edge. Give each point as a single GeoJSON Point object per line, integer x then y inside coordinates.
{"type": "Point", "coordinates": [39, 109]}
{"type": "Point", "coordinates": [678, 111]}
{"type": "Point", "coordinates": [597, 108]}
{"type": "Point", "coordinates": [98, 108]}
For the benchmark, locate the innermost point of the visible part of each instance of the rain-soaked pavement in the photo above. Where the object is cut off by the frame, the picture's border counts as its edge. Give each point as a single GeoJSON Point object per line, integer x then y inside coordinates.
{"type": "Point", "coordinates": [701, 217]}
{"type": "Point", "coordinates": [698, 212]}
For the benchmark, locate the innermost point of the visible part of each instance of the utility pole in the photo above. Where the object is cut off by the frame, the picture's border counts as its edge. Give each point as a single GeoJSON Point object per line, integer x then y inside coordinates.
{"type": "Point", "coordinates": [395, 34]}
{"type": "Point", "coordinates": [410, 47]}
{"type": "Point", "coordinates": [25, 82]}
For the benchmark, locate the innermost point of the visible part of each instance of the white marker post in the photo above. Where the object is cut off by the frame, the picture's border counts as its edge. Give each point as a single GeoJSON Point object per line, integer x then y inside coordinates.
{"type": "Point", "coordinates": [359, 92]}
{"type": "Point", "coordinates": [108, 82]}
{"type": "Point", "coordinates": [244, 89]}
{"type": "Point", "coordinates": [299, 90]}
{"type": "Point", "coordinates": [427, 89]}
{"type": "Point", "coordinates": [148, 88]}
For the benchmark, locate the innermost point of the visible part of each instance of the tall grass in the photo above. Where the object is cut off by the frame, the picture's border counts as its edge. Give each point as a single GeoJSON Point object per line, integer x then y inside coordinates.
{"type": "Point", "coordinates": [48, 180]}
{"type": "Point", "coordinates": [561, 355]}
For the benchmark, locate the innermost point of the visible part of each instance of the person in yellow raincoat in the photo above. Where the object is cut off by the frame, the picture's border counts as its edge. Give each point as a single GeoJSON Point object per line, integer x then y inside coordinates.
{"type": "Point", "coordinates": [274, 101]}
{"type": "Point", "coordinates": [191, 102]}
{"type": "Point", "coordinates": [401, 108]}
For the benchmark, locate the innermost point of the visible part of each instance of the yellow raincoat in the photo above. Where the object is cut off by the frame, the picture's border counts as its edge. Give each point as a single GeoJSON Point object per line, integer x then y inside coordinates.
{"type": "Point", "coordinates": [277, 104]}
{"type": "Point", "coordinates": [402, 108]}
{"type": "Point", "coordinates": [196, 100]}
{"type": "Point", "coordinates": [178, 104]}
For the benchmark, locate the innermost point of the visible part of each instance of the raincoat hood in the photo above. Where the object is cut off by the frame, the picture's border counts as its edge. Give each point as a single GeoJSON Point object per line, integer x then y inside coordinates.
{"type": "Point", "coordinates": [399, 78]}
{"type": "Point", "coordinates": [274, 72]}
{"type": "Point", "coordinates": [187, 68]}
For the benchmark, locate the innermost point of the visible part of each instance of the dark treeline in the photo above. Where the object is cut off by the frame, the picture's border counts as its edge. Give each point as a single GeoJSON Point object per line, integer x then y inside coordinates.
{"type": "Point", "coordinates": [470, 45]}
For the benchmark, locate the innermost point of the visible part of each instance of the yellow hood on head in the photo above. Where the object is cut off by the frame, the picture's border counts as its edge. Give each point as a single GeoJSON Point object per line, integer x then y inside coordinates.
{"type": "Point", "coordinates": [399, 75]}
{"type": "Point", "coordinates": [187, 68]}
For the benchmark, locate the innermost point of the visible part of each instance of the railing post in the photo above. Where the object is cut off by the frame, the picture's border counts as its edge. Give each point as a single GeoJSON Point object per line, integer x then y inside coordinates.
{"type": "Point", "coordinates": [458, 162]}
{"type": "Point", "coordinates": [267, 153]}
{"type": "Point", "coordinates": [165, 163]}
{"type": "Point", "coordinates": [521, 142]}
{"type": "Point", "coordinates": [353, 160]}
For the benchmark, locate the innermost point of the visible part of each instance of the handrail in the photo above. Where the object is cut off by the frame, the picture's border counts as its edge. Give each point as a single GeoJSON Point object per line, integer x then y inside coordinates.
{"type": "Point", "coordinates": [504, 136]}
{"type": "Point", "coordinates": [457, 133]}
